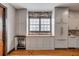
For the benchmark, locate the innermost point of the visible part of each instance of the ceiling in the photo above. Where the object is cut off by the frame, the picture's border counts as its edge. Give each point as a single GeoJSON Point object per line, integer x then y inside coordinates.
{"type": "Point", "coordinates": [45, 6]}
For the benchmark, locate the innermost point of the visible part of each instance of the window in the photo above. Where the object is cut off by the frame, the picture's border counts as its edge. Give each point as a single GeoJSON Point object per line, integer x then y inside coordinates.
{"type": "Point", "coordinates": [39, 25]}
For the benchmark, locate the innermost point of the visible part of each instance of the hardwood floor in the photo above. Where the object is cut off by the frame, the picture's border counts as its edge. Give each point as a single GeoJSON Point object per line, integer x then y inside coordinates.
{"type": "Point", "coordinates": [1, 48]}
{"type": "Point", "coordinates": [63, 52]}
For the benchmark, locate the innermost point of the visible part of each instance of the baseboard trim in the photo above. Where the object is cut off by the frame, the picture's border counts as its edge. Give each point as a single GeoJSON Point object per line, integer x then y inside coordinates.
{"type": "Point", "coordinates": [64, 48]}
{"type": "Point", "coordinates": [60, 48]}
{"type": "Point", "coordinates": [10, 51]}
{"type": "Point", "coordinates": [72, 48]}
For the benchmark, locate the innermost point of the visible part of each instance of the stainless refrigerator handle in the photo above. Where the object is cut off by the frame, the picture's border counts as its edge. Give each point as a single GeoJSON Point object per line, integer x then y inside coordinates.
{"type": "Point", "coordinates": [61, 31]}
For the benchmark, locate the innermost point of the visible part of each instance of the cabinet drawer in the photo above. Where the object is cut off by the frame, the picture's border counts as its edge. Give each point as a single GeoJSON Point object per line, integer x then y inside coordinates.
{"type": "Point", "coordinates": [72, 42]}
{"type": "Point", "coordinates": [61, 43]}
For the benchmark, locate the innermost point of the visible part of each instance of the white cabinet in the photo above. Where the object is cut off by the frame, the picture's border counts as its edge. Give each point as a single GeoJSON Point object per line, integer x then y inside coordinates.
{"type": "Point", "coordinates": [61, 43]}
{"type": "Point", "coordinates": [74, 20]}
{"type": "Point", "coordinates": [72, 27]}
{"type": "Point", "coordinates": [61, 27]}
{"type": "Point", "coordinates": [39, 43]}
{"type": "Point", "coordinates": [61, 31]}
{"type": "Point", "coordinates": [78, 43]}
{"type": "Point", "coordinates": [72, 42]}
{"type": "Point", "coordinates": [61, 23]}
{"type": "Point", "coordinates": [28, 44]}
{"type": "Point", "coordinates": [48, 44]}
{"type": "Point", "coordinates": [61, 14]}
{"type": "Point", "coordinates": [32, 44]}
{"type": "Point", "coordinates": [20, 24]}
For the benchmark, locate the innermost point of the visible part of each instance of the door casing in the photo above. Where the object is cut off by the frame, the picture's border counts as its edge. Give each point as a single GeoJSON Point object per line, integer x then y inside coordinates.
{"type": "Point", "coordinates": [4, 36]}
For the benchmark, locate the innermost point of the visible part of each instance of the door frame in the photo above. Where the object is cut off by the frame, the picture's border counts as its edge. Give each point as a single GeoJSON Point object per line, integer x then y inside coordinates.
{"type": "Point", "coordinates": [4, 33]}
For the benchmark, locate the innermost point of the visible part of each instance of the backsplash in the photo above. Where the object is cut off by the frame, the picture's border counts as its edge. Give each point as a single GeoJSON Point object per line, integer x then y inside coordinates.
{"type": "Point", "coordinates": [73, 32]}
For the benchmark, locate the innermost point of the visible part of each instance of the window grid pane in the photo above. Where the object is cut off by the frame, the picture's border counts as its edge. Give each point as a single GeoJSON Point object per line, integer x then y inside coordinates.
{"type": "Point", "coordinates": [34, 24]}
{"type": "Point", "coordinates": [34, 20]}
{"type": "Point", "coordinates": [45, 27]}
{"type": "Point", "coordinates": [43, 24]}
{"type": "Point", "coordinates": [34, 27]}
{"type": "Point", "coordinates": [45, 20]}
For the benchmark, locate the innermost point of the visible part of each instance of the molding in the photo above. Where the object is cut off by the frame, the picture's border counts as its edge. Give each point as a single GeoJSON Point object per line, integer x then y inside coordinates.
{"type": "Point", "coordinates": [10, 51]}
{"type": "Point", "coordinates": [60, 48]}
{"type": "Point", "coordinates": [4, 36]}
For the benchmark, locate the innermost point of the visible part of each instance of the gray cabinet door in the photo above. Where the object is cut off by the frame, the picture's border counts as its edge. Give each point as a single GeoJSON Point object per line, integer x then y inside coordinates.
{"type": "Point", "coordinates": [72, 42]}
{"type": "Point", "coordinates": [61, 27]}
{"type": "Point", "coordinates": [20, 28]}
{"type": "Point", "coordinates": [46, 44]}
{"type": "Point", "coordinates": [61, 14]}
{"type": "Point", "coordinates": [61, 31]}
{"type": "Point", "coordinates": [31, 44]}
{"type": "Point", "coordinates": [61, 43]}
{"type": "Point", "coordinates": [61, 23]}
{"type": "Point", "coordinates": [77, 43]}
{"type": "Point", "coordinates": [39, 43]}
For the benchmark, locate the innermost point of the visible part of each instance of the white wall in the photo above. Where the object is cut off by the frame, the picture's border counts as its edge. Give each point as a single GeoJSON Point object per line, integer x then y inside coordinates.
{"type": "Point", "coordinates": [10, 26]}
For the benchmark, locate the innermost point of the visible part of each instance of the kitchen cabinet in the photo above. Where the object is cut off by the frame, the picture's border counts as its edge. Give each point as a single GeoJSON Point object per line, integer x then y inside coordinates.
{"type": "Point", "coordinates": [20, 24]}
{"type": "Point", "coordinates": [48, 44]}
{"type": "Point", "coordinates": [39, 43]}
{"type": "Point", "coordinates": [61, 23]}
{"type": "Point", "coordinates": [31, 44]}
{"type": "Point", "coordinates": [77, 43]}
{"type": "Point", "coordinates": [73, 27]}
{"type": "Point", "coordinates": [61, 31]}
{"type": "Point", "coordinates": [72, 42]}
{"type": "Point", "coordinates": [73, 20]}
{"type": "Point", "coordinates": [61, 14]}
{"type": "Point", "coordinates": [61, 27]}
{"type": "Point", "coordinates": [61, 43]}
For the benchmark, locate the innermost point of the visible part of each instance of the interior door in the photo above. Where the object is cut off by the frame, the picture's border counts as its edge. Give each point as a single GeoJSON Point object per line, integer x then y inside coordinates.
{"type": "Point", "coordinates": [1, 31]}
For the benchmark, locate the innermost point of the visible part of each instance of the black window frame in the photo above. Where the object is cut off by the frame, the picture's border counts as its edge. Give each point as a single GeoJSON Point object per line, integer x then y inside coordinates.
{"type": "Point", "coordinates": [40, 24]}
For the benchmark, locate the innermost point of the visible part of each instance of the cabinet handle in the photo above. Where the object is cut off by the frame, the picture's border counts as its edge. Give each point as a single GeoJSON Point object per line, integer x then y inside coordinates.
{"type": "Point", "coordinates": [61, 31]}
{"type": "Point", "coordinates": [72, 37]}
{"type": "Point", "coordinates": [61, 40]}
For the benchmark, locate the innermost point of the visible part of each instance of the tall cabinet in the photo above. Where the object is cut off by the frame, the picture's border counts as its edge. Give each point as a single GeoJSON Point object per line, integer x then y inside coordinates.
{"type": "Point", "coordinates": [20, 29]}
{"type": "Point", "coordinates": [20, 24]}
{"type": "Point", "coordinates": [61, 27]}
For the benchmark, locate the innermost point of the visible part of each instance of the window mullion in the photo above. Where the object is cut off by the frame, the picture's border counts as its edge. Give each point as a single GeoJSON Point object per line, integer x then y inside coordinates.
{"type": "Point", "coordinates": [39, 24]}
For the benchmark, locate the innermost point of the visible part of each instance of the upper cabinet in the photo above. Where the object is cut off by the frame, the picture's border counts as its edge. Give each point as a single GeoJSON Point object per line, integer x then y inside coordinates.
{"type": "Point", "coordinates": [73, 20]}
{"type": "Point", "coordinates": [61, 22]}
{"type": "Point", "coordinates": [21, 16]}
{"type": "Point", "coordinates": [61, 15]}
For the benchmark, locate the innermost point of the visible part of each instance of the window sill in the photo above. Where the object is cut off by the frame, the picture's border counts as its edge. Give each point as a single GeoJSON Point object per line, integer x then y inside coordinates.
{"type": "Point", "coordinates": [41, 35]}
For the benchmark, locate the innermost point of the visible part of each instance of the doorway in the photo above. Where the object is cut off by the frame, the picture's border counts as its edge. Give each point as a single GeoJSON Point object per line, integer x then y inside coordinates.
{"type": "Point", "coordinates": [3, 41]}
